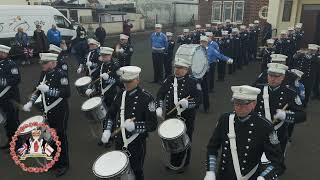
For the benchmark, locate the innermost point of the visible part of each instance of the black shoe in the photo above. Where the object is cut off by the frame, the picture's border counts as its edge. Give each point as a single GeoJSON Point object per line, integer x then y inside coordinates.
{"type": "Point", "coordinates": [61, 171]}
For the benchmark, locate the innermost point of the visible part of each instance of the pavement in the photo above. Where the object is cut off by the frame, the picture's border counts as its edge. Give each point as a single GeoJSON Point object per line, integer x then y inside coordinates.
{"type": "Point", "coordinates": [302, 158]}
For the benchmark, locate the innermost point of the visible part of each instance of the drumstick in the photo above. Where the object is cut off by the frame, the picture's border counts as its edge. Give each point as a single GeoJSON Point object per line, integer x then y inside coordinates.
{"type": "Point", "coordinates": [119, 129]}
{"type": "Point", "coordinates": [20, 106]}
{"type": "Point", "coordinates": [93, 82]}
{"type": "Point", "coordinates": [284, 108]}
{"type": "Point", "coordinates": [176, 107]}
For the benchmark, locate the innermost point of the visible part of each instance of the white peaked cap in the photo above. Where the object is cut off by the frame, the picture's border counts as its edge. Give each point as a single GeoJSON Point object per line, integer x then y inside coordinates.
{"type": "Point", "coordinates": [299, 25]}
{"type": "Point", "coordinates": [256, 21]}
{"type": "Point", "coordinates": [93, 41]}
{"type": "Point", "coordinates": [245, 92]}
{"type": "Point", "coordinates": [297, 72]}
{"type": "Point", "coordinates": [283, 32]}
{"type": "Point", "coordinates": [198, 26]}
{"type": "Point", "coordinates": [278, 58]}
{"type": "Point", "coordinates": [46, 57]}
{"type": "Point", "coordinates": [4, 48]}
{"type": "Point", "coordinates": [228, 21]}
{"type": "Point", "coordinates": [208, 25]}
{"type": "Point", "coordinates": [106, 50]}
{"type": "Point", "coordinates": [123, 36]}
{"type": "Point", "coordinates": [204, 38]}
{"type": "Point", "coordinates": [54, 48]}
{"type": "Point", "coordinates": [186, 30]}
{"type": "Point", "coordinates": [169, 33]}
{"type": "Point", "coordinates": [313, 46]}
{"type": "Point", "coordinates": [224, 33]}
{"type": "Point", "coordinates": [209, 34]}
{"type": "Point", "coordinates": [277, 68]}
{"type": "Point", "coordinates": [243, 27]}
{"type": "Point", "coordinates": [128, 73]}
{"type": "Point", "coordinates": [182, 62]}
{"type": "Point", "coordinates": [270, 41]}
{"type": "Point", "coordinates": [251, 25]}
{"type": "Point", "coordinates": [158, 26]}
{"type": "Point", "coordinates": [235, 30]}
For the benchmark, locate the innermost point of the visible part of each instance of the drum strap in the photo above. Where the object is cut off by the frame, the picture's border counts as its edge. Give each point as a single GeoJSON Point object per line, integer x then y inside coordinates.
{"type": "Point", "coordinates": [104, 90]}
{"type": "Point", "coordinates": [175, 96]}
{"type": "Point", "coordinates": [234, 153]}
{"type": "Point", "coordinates": [88, 59]}
{"type": "Point", "coordinates": [5, 91]}
{"type": "Point", "coordinates": [126, 141]}
{"type": "Point", "coordinates": [45, 107]}
{"type": "Point", "coordinates": [266, 103]}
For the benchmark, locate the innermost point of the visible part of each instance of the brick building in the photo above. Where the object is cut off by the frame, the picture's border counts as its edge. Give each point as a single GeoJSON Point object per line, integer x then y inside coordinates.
{"type": "Point", "coordinates": [240, 11]}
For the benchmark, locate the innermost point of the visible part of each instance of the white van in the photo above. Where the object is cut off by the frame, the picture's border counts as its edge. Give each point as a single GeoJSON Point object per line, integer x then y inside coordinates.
{"type": "Point", "coordinates": [12, 17]}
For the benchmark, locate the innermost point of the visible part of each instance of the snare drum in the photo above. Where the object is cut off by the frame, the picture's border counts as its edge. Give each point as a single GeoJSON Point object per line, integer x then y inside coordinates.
{"type": "Point", "coordinates": [39, 119]}
{"type": "Point", "coordinates": [95, 109]}
{"type": "Point", "coordinates": [82, 84]}
{"type": "Point", "coordinates": [113, 165]}
{"type": "Point", "coordinates": [173, 135]}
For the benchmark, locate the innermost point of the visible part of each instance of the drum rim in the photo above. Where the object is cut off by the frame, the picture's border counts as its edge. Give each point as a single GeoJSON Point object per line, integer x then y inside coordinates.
{"type": "Point", "coordinates": [21, 124]}
{"type": "Point", "coordinates": [87, 110]}
{"type": "Point", "coordinates": [176, 137]}
{"type": "Point", "coordinates": [114, 175]}
{"type": "Point", "coordinates": [75, 83]}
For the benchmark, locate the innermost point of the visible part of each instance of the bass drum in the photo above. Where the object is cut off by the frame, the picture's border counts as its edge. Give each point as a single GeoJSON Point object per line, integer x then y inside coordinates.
{"type": "Point", "coordinates": [197, 56]}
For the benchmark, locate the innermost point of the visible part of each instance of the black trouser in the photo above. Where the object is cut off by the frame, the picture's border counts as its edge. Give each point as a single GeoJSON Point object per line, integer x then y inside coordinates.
{"type": "Point", "coordinates": [308, 83]}
{"type": "Point", "coordinates": [125, 61]}
{"type": "Point", "coordinates": [282, 133]}
{"type": "Point", "coordinates": [12, 116]}
{"type": "Point", "coordinates": [221, 70]}
{"type": "Point", "coordinates": [205, 92]}
{"type": "Point", "coordinates": [316, 92]}
{"type": "Point", "coordinates": [58, 119]}
{"type": "Point", "coordinates": [137, 149]}
{"type": "Point", "coordinates": [168, 65]}
{"type": "Point", "coordinates": [158, 63]}
{"type": "Point", "coordinates": [211, 75]}
{"type": "Point", "coordinates": [101, 41]}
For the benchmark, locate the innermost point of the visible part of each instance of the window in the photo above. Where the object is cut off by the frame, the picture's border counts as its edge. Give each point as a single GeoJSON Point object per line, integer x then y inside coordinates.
{"type": "Point", "coordinates": [61, 22]}
{"type": "Point", "coordinates": [216, 11]}
{"type": "Point", "coordinates": [227, 10]}
{"type": "Point", "coordinates": [287, 7]}
{"type": "Point", "coordinates": [74, 15]}
{"type": "Point", "coordinates": [263, 13]}
{"type": "Point", "coordinates": [238, 11]}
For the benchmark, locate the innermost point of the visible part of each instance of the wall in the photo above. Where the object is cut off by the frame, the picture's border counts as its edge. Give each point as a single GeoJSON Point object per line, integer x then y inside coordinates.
{"type": "Point", "coordinates": [13, 2]}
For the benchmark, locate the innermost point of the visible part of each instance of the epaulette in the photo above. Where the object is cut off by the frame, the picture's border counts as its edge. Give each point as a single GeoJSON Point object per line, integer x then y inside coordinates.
{"type": "Point", "coordinates": [147, 93]}
{"type": "Point", "coordinates": [265, 119]}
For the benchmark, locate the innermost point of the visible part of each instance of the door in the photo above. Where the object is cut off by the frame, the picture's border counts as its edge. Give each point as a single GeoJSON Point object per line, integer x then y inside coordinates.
{"type": "Point", "coordinates": [310, 17]}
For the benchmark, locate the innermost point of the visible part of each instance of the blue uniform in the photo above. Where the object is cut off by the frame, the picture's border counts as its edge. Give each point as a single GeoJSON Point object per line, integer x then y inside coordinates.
{"type": "Point", "coordinates": [214, 55]}
{"type": "Point", "coordinates": [214, 44]}
{"type": "Point", "coordinates": [159, 45]}
{"type": "Point", "coordinates": [159, 40]}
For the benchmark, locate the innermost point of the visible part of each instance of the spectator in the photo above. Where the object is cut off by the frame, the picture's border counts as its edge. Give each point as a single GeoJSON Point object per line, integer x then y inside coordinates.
{"type": "Point", "coordinates": [54, 36]}
{"type": "Point", "coordinates": [81, 46]}
{"type": "Point", "coordinates": [127, 26]}
{"type": "Point", "coordinates": [22, 42]}
{"type": "Point", "coordinates": [90, 32]}
{"type": "Point", "coordinates": [40, 39]}
{"type": "Point", "coordinates": [101, 34]}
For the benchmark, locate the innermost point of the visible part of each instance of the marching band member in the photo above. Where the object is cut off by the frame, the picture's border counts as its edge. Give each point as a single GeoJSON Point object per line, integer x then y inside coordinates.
{"type": "Point", "coordinates": [169, 55]}
{"type": "Point", "coordinates": [133, 102]}
{"type": "Point", "coordinates": [9, 91]}
{"type": "Point", "coordinates": [185, 38]}
{"type": "Point", "coordinates": [55, 90]}
{"type": "Point", "coordinates": [279, 103]}
{"type": "Point", "coordinates": [60, 60]}
{"type": "Point", "coordinates": [91, 61]}
{"type": "Point", "coordinates": [266, 54]}
{"type": "Point", "coordinates": [284, 45]}
{"type": "Point", "coordinates": [196, 35]}
{"type": "Point", "coordinates": [124, 51]}
{"type": "Point", "coordinates": [299, 33]}
{"type": "Point", "coordinates": [243, 136]}
{"type": "Point", "coordinates": [252, 50]}
{"type": "Point", "coordinates": [236, 43]}
{"type": "Point", "coordinates": [204, 42]}
{"type": "Point", "coordinates": [183, 91]}
{"type": "Point", "coordinates": [228, 26]}
{"type": "Point", "coordinates": [226, 49]}
{"type": "Point", "coordinates": [244, 38]}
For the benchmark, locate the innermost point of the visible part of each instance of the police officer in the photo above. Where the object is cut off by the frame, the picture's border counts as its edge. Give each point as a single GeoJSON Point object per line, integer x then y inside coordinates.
{"type": "Point", "coordinates": [55, 90]}
{"type": "Point", "coordinates": [183, 91]}
{"type": "Point", "coordinates": [60, 60]}
{"type": "Point", "coordinates": [266, 54]}
{"type": "Point", "coordinates": [196, 35]}
{"type": "Point", "coordinates": [244, 44]}
{"type": "Point", "coordinates": [124, 51]}
{"type": "Point", "coordinates": [252, 49]}
{"type": "Point", "coordinates": [305, 63]}
{"type": "Point", "coordinates": [9, 92]}
{"type": "Point", "coordinates": [159, 44]}
{"type": "Point", "coordinates": [133, 111]}
{"type": "Point", "coordinates": [169, 54]}
{"type": "Point", "coordinates": [185, 38]}
{"type": "Point", "coordinates": [226, 49]}
{"type": "Point", "coordinates": [279, 103]}
{"type": "Point", "coordinates": [91, 61]}
{"type": "Point", "coordinates": [243, 136]}
{"type": "Point", "coordinates": [236, 44]}
{"type": "Point", "coordinates": [284, 46]}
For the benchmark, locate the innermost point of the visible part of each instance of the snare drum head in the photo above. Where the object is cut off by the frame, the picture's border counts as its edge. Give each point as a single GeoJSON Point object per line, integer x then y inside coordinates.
{"type": "Point", "coordinates": [38, 119]}
{"type": "Point", "coordinates": [83, 81]}
{"type": "Point", "coordinates": [110, 164]}
{"type": "Point", "coordinates": [91, 103]}
{"type": "Point", "coordinates": [171, 128]}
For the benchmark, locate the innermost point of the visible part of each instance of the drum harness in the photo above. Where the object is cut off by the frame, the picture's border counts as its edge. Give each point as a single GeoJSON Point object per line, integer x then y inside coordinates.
{"type": "Point", "coordinates": [104, 90]}
{"type": "Point", "coordinates": [234, 153]}
{"type": "Point", "coordinates": [4, 91]}
{"type": "Point", "coordinates": [89, 69]}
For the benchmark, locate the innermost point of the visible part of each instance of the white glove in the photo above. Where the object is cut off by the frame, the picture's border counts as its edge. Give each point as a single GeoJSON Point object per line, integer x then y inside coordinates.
{"type": "Point", "coordinates": [89, 63]}
{"type": "Point", "coordinates": [79, 70]}
{"type": "Point", "coordinates": [27, 107]}
{"type": "Point", "coordinates": [89, 92]}
{"type": "Point", "coordinates": [129, 125]}
{"type": "Point", "coordinates": [121, 50]}
{"type": "Point", "coordinates": [260, 178]}
{"type": "Point", "coordinates": [184, 103]}
{"type": "Point", "coordinates": [159, 112]}
{"type": "Point", "coordinates": [210, 175]}
{"type": "Point", "coordinates": [230, 61]}
{"type": "Point", "coordinates": [104, 76]}
{"type": "Point", "coordinates": [43, 87]}
{"type": "Point", "coordinates": [281, 115]}
{"type": "Point", "coordinates": [106, 136]}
